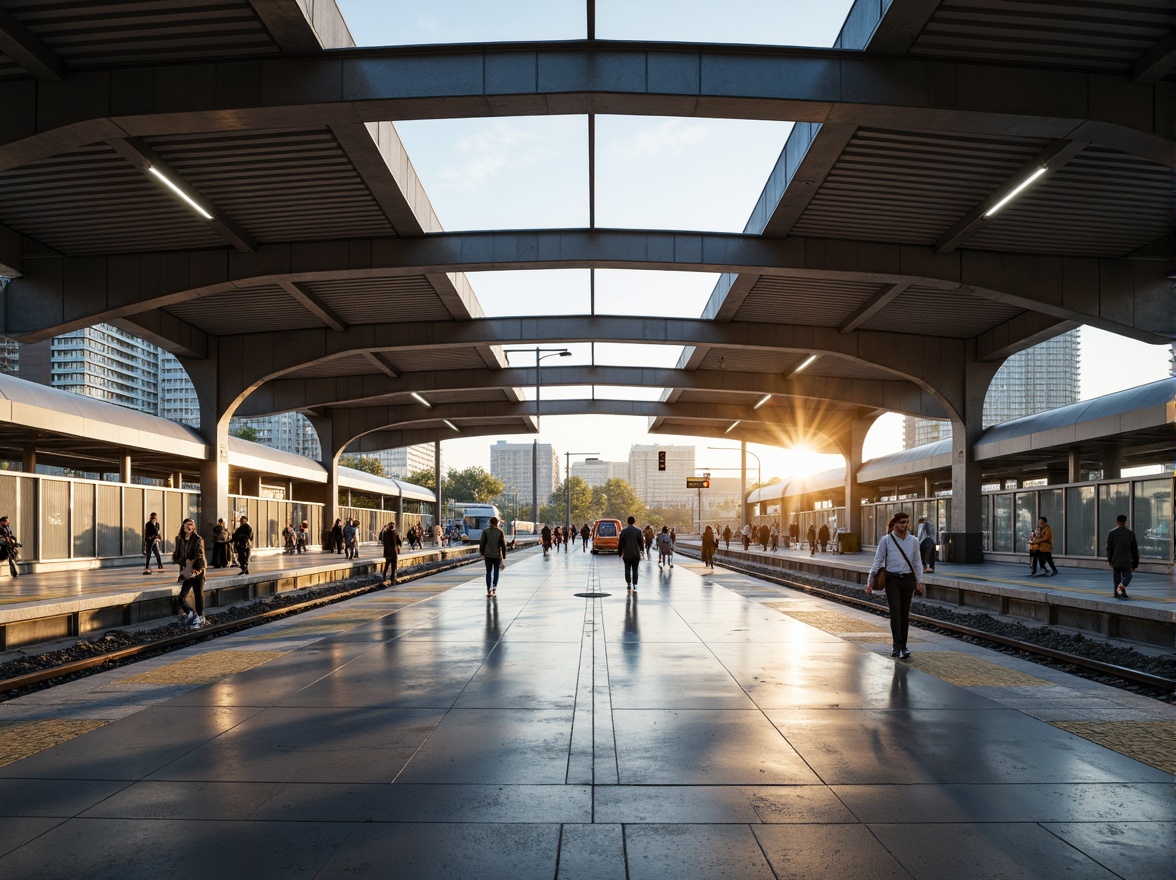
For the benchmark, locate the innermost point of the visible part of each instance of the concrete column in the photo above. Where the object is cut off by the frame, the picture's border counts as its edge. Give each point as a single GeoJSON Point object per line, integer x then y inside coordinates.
{"type": "Point", "coordinates": [928, 487]}
{"type": "Point", "coordinates": [1112, 463]}
{"type": "Point", "coordinates": [289, 490]}
{"type": "Point", "coordinates": [214, 428]}
{"type": "Point", "coordinates": [854, 492]}
{"type": "Point", "coordinates": [28, 461]}
{"type": "Point", "coordinates": [437, 478]}
{"type": "Point", "coordinates": [1074, 464]}
{"type": "Point", "coordinates": [177, 480]}
{"type": "Point", "coordinates": [743, 518]}
{"type": "Point", "coordinates": [325, 428]}
{"type": "Point", "coordinates": [124, 466]}
{"type": "Point", "coordinates": [965, 536]}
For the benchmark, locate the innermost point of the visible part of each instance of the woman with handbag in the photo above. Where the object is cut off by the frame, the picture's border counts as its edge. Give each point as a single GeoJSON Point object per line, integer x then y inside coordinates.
{"type": "Point", "coordinates": [892, 570]}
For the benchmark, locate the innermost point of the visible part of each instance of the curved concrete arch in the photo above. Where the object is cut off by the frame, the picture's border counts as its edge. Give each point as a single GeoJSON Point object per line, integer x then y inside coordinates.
{"type": "Point", "coordinates": [1129, 297]}
{"type": "Point", "coordinates": [284, 395]}
{"type": "Point", "coordinates": [581, 77]}
{"type": "Point", "coordinates": [260, 357]}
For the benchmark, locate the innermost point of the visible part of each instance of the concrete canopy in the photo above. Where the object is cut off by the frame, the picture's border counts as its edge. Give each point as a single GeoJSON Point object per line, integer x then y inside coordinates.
{"type": "Point", "coordinates": [908, 132]}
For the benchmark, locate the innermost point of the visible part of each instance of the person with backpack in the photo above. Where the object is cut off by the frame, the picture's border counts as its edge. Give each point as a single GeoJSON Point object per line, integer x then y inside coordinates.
{"type": "Point", "coordinates": [665, 547]}
{"type": "Point", "coordinates": [631, 547]}
{"type": "Point", "coordinates": [492, 548]}
{"type": "Point", "coordinates": [895, 571]}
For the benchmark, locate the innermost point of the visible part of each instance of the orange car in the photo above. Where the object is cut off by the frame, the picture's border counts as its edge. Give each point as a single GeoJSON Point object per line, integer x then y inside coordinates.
{"type": "Point", "coordinates": [605, 535]}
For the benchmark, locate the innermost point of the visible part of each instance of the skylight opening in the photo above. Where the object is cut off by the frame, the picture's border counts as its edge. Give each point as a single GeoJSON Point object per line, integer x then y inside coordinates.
{"type": "Point", "coordinates": [412, 22]}
{"type": "Point", "coordinates": [660, 294]}
{"type": "Point", "coordinates": [532, 292]}
{"type": "Point", "coordinates": [789, 23]}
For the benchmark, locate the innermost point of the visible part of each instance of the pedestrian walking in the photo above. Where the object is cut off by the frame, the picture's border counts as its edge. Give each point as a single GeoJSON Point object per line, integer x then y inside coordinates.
{"type": "Point", "coordinates": [926, 538]}
{"type": "Point", "coordinates": [631, 547]}
{"type": "Point", "coordinates": [9, 546]}
{"type": "Point", "coordinates": [390, 541]}
{"type": "Point", "coordinates": [665, 548]}
{"type": "Point", "coordinates": [585, 533]}
{"type": "Point", "coordinates": [1045, 546]}
{"type": "Point", "coordinates": [189, 556]}
{"type": "Point", "coordinates": [152, 541]}
{"type": "Point", "coordinates": [303, 537]}
{"type": "Point", "coordinates": [812, 540]}
{"type": "Point", "coordinates": [709, 545]}
{"type": "Point", "coordinates": [893, 571]}
{"type": "Point", "coordinates": [648, 534]}
{"type": "Point", "coordinates": [745, 533]}
{"type": "Point", "coordinates": [1122, 555]}
{"type": "Point", "coordinates": [289, 534]}
{"type": "Point", "coordinates": [727, 533]}
{"type": "Point", "coordinates": [492, 547]}
{"type": "Point", "coordinates": [545, 537]}
{"type": "Point", "coordinates": [243, 543]}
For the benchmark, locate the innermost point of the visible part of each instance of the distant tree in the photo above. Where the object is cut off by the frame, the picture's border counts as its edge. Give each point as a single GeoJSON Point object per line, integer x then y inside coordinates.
{"type": "Point", "coordinates": [423, 478]}
{"type": "Point", "coordinates": [618, 500]}
{"type": "Point", "coordinates": [247, 432]}
{"type": "Point", "coordinates": [369, 464]}
{"type": "Point", "coordinates": [471, 484]}
{"type": "Point", "coordinates": [582, 500]}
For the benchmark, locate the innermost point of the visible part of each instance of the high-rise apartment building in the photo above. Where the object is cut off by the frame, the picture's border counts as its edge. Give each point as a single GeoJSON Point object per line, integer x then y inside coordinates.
{"type": "Point", "coordinates": [405, 460]}
{"type": "Point", "coordinates": [511, 464]}
{"type": "Point", "coordinates": [661, 488]}
{"type": "Point", "coordinates": [1041, 378]}
{"type": "Point", "coordinates": [596, 471]}
{"type": "Point", "coordinates": [289, 432]}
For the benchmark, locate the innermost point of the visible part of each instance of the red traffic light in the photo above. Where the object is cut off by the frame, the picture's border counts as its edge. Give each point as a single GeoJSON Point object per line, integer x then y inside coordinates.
{"type": "Point", "coordinates": [661, 460]}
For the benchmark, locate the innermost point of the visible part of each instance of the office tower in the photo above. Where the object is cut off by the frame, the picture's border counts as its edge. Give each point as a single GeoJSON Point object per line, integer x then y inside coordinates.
{"type": "Point", "coordinates": [511, 464]}
{"type": "Point", "coordinates": [596, 471]}
{"type": "Point", "coordinates": [405, 460]}
{"type": "Point", "coordinates": [1041, 378]}
{"type": "Point", "coordinates": [661, 488]}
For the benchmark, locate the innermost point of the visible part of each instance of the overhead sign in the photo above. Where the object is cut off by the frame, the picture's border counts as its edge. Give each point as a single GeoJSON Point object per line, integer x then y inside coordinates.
{"type": "Point", "coordinates": [697, 483]}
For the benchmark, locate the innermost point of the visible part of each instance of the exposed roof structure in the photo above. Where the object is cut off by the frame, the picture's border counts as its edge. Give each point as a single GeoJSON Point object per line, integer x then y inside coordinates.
{"type": "Point", "coordinates": [321, 280]}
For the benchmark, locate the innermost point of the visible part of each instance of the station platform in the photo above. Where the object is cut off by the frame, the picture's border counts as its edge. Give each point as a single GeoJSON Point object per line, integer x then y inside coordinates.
{"type": "Point", "coordinates": [715, 726]}
{"type": "Point", "coordinates": [1077, 597]}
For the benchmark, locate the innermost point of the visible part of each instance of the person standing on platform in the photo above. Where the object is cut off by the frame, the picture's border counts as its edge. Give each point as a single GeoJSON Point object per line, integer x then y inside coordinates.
{"type": "Point", "coordinates": [764, 536]}
{"type": "Point", "coordinates": [390, 541]}
{"type": "Point", "coordinates": [220, 544]}
{"type": "Point", "coordinates": [895, 555]}
{"type": "Point", "coordinates": [492, 547]}
{"type": "Point", "coordinates": [1044, 547]}
{"type": "Point", "coordinates": [774, 534]}
{"type": "Point", "coordinates": [812, 540]}
{"type": "Point", "coordinates": [648, 534]}
{"type": "Point", "coordinates": [926, 537]}
{"type": "Point", "coordinates": [727, 533]}
{"type": "Point", "coordinates": [336, 545]}
{"type": "Point", "coordinates": [745, 533]}
{"type": "Point", "coordinates": [349, 533]}
{"type": "Point", "coordinates": [585, 534]}
{"type": "Point", "coordinates": [709, 545]}
{"type": "Point", "coordinates": [793, 534]}
{"type": "Point", "coordinates": [303, 537]}
{"type": "Point", "coordinates": [823, 537]}
{"type": "Point", "coordinates": [545, 537]}
{"type": "Point", "coordinates": [243, 543]}
{"type": "Point", "coordinates": [631, 547]}
{"type": "Point", "coordinates": [189, 556]}
{"type": "Point", "coordinates": [1122, 555]}
{"type": "Point", "coordinates": [9, 546]}
{"type": "Point", "coordinates": [152, 541]}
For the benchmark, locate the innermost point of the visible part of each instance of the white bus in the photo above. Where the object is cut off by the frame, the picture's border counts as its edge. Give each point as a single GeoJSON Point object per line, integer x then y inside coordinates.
{"type": "Point", "coordinates": [474, 518]}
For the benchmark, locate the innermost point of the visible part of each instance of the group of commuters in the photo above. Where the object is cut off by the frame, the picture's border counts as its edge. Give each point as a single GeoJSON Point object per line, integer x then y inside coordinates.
{"type": "Point", "coordinates": [295, 540]}
{"type": "Point", "coordinates": [560, 537]}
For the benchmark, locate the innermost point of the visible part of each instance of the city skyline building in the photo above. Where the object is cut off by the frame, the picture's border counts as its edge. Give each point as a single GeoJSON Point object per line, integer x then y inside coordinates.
{"type": "Point", "coordinates": [510, 463]}
{"type": "Point", "coordinates": [596, 471]}
{"type": "Point", "coordinates": [1044, 377]}
{"type": "Point", "coordinates": [404, 460]}
{"type": "Point", "coordinates": [661, 488]}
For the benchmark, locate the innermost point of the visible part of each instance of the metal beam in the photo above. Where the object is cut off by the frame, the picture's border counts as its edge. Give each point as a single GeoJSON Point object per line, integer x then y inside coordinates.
{"type": "Point", "coordinates": [1157, 62]}
{"type": "Point", "coordinates": [1129, 297]}
{"type": "Point", "coordinates": [142, 157]}
{"type": "Point", "coordinates": [22, 46]}
{"type": "Point", "coordinates": [872, 306]}
{"type": "Point", "coordinates": [313, 304]}
{"type": "Point", "coordinates": [561, 78]}
{"type": "Point", "coordinates": [1053, 157]}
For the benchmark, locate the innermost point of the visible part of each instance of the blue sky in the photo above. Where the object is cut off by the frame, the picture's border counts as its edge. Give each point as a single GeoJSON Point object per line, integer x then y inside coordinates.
{"type": "Point", "coordinates": [651, 172]}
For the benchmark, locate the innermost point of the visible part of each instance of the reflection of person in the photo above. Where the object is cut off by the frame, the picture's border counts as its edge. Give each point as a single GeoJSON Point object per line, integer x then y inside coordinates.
{"type": "Point", "coordinates": [631, 547]}
{"type": "Point", "coordinates": [492, 547]}
{"type": "Point", "coordinates": [189, 556]}
{"type": "Point", "coordinates": [895, 554]}
{"type": "Point", "coordinates": [152, 539]}
{"type": "Point", "coordinates": [390, 541]}
{"type": "Point", "coordinates": [1122, 555]}
{"type": "Point", "coordinates": [243, 543]}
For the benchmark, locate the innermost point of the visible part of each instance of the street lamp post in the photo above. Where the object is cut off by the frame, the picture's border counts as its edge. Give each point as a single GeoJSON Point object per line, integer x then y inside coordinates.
{"type": "Point", "coordinates": [540, 354]}
{"type": "Point", "coordinates": [742, 448]}
{"type": "Point", "coordinates": [568, 486]}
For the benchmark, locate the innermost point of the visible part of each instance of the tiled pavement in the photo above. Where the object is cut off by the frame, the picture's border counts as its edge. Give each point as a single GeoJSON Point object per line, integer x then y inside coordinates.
{"type": "Point", "coordinates": [697, 731]}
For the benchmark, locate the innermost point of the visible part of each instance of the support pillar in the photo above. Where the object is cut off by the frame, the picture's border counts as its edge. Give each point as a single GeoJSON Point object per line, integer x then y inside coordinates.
{"type": "Point", "coordinates": [1112, 463]}
{"type": "Point", "coordinates": [325, 428]}
{"type": "Point", "coordinates": [124, 466]}
{"type": "Point", "coordinates": [743, 518]}
{"type": "Point", "coordinates": [214, 428]}
{"type": "Point", "coordinates": [28, 460]}
{"type": "Point", "coordinates": [854, 491]}
{"type": "Point", "coordinates": [928, 487]}
{"type": "Point", "coordinates": [965, 539]}
{"type": "Point", "coordinates": [177, 480]}
{"type": "Point", "coordinates": [1074, 464]}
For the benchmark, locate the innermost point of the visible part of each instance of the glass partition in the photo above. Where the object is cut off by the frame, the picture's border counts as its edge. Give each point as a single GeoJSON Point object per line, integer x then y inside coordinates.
{"type": "Point", "coordinates": [1152, 520]}
{"type": "Point", "coordinates": [1080, 521]}
{"type": "Point", "coordinates": [1051, 503]}
{"type": "Point", "coordinates": [1002, 523]}
{"type": "Point", "coordinates": [1113, 499]}
{"type": "Point", "coordinates": [1025, 519]}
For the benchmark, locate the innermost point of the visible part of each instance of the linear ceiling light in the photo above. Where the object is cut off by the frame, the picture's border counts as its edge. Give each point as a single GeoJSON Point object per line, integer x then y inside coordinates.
{"type": "Point", "coordinates": [805, 364]}
{"type": "Point", "coordinates": [179, 192]}
{"type": "Point", "coordinates": [450, 424]}
{"type": "Point", "coordinates": [1028, 180]}
{"type": "Point", "coordinates": [734, 425]}
{"type": "Point", "coordinates": [422, 401]}
{"type": "Point", "coordinates": [762, 401]}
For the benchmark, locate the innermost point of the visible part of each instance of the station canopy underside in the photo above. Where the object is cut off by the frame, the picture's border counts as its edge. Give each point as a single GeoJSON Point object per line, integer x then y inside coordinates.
{"type": "Point", "coordinates": [322, 282]}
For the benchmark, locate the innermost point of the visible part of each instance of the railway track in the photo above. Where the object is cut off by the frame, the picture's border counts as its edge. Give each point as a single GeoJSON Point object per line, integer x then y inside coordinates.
{"type": "Point", "coordinates": [58, 672]}
{"type": "Point", "coordinates": [1163, 685]}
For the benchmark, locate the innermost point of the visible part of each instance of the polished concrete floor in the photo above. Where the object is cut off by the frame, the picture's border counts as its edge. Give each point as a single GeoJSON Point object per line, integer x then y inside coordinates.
{"type": "Point", "coordinates": [697, 731]}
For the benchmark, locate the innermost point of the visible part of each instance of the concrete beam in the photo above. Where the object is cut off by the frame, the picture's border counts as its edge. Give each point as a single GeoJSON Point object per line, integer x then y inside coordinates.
{"type": "Point", "coordinates": [1129, 297]}
{"type": "Point", "coordinates": [872, 306]}
{"type": "Point", "coordinates": [1157, 62]}
{"type": "Point", "coordinates": [26, 49]}
{"type": "Point", "coordinates": [313, 304]}
{"type": "Point", "coordinates": [561, 78]}
{"type": "Point", "coordinates": [286, 395]}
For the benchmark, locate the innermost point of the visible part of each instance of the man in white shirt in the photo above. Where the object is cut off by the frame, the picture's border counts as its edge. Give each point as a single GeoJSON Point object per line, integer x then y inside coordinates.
{"type": "Point", "coordinates": [896, 555]}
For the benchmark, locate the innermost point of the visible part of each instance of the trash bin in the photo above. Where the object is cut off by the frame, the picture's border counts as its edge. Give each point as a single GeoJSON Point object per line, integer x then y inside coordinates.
{"type": "Point", "coordinates": [851, 542]}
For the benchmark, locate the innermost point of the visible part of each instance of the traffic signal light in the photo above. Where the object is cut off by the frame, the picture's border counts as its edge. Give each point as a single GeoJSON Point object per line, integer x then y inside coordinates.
{"type": "Point", "coordinates": [706, 484]}
{"type": "Point", "coordinates": [661, 460]}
